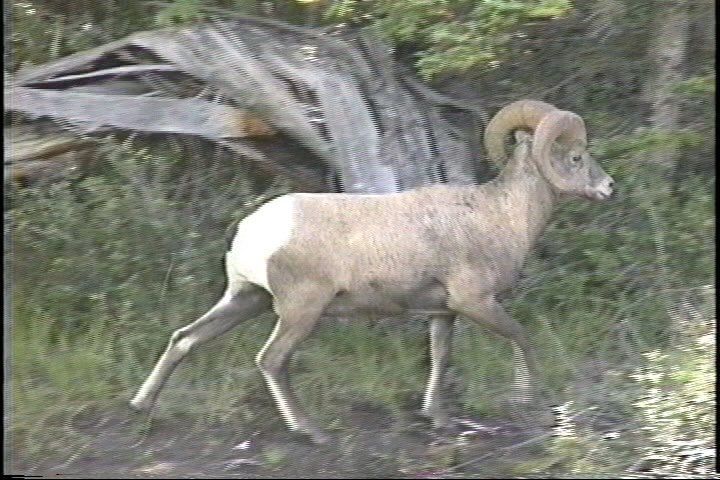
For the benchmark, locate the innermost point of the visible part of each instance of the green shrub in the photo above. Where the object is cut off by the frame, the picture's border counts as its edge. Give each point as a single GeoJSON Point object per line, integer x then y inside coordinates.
{"type": "Point", "coordinates": [670, 430]}
{"type": "Point", "coordinates": [677, 408]}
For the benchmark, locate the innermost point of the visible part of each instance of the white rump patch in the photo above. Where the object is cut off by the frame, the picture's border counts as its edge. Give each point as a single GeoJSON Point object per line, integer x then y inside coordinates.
{"type": "Point", "coordinates": [257, 238]}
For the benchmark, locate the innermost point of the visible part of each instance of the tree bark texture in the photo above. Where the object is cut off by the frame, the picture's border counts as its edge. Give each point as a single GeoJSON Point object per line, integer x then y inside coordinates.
{"type": "Point", "coordinates": [668, 52]}
{"type": "Point", "coordinates": [367, 126]}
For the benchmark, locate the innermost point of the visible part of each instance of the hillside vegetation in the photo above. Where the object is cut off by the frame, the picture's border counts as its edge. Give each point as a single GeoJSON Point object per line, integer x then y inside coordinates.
{"type": "Point", "coordinates": [619, 297]}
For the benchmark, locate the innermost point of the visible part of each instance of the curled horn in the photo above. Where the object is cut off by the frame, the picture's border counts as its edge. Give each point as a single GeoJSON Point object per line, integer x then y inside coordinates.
{"type": "Point", "coordinates": [525, 114]}
{"type": "Point", "coordinates": [561, 125]}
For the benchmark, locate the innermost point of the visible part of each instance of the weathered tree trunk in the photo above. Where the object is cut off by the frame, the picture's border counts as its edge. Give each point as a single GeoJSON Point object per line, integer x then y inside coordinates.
{"type": "Point", "coordinates": [668, 52]}
{"type": "Point", "coordinates": [366, 127]}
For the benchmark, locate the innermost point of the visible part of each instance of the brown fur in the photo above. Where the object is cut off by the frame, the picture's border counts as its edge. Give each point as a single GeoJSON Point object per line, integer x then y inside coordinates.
{"type": "Point", "coordinates": [441, 250]}
{"type": "Point", "coordinates": [391, 253]}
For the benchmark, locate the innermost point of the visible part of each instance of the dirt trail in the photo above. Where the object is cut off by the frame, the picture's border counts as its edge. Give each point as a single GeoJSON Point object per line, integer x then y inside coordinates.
{"type": "Point", "coordinates": [370, 445]}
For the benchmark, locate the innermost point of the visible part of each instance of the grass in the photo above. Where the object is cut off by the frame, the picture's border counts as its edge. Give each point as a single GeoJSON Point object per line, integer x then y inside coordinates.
{"type": "Point", "coordinates": [382, 365]}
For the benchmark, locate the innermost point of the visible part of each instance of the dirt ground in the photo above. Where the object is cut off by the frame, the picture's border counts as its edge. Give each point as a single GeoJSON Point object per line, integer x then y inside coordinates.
{"type": "Point", "coordinates": [370, 444]}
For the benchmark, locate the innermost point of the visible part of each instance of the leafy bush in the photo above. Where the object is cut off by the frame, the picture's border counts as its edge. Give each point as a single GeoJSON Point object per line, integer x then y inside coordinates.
{"type": "Point", "coordinates": [450, 36]}
{"type": "Point", "coordinates": [669, 431]}
{"type": "Point", "coordinates": [677, 408]}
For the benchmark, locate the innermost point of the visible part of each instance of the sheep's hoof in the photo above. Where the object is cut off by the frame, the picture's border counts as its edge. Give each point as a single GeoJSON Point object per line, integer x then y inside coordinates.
{"type": "Point", "coordinates": [317, 436]}
{"type": "Point", "coordinates": [438, 418]}
{"type": "Point", "coordinates": [139, 406]}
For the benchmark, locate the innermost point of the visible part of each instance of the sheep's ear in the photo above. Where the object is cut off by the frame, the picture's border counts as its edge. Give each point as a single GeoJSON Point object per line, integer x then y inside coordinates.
{"type": "Point", "coordinates": [522, 136]}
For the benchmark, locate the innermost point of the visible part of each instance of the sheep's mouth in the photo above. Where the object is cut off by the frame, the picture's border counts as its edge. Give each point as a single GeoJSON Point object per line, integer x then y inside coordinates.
{"type": "Point", "coordinates": [599, 193]}
{"type": "Point", "coordinates": [599, 196]}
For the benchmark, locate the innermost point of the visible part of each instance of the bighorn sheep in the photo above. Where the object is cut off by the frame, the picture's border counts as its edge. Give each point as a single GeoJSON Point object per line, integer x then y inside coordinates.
{"type": "Point", "coordinates": [440, 250]}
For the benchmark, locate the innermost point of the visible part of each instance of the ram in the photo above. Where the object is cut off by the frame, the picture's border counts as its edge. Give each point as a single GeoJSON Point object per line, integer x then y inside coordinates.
{"type": "Point", "coordinates": [440, 250]}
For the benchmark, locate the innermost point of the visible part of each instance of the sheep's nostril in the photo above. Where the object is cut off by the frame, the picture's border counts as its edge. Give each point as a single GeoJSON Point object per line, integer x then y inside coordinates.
{"type": "Point", "coordinates": [611, 184]}
{"type": "Point", "coordinates": [613, 191]}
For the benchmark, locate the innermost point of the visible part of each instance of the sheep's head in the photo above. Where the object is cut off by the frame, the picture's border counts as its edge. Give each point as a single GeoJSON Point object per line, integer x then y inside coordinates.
{"type": "Point", "coordinates": [559, 147]}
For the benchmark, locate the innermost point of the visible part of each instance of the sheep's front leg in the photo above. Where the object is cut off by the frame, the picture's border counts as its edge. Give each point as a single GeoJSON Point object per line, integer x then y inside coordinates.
{"type": "Point", "coordinates": [523, 390]}
{"type": "Point", "coordinates": [488, 313]}
{"type": "Point", "coordinates": [296, 321]}
{"type": "Point", "coordinates": [440, 340]}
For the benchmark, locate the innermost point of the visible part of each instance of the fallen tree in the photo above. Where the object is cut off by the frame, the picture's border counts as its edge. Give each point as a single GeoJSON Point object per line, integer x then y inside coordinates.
{"type": "Point", "coordinates": [331, 110]}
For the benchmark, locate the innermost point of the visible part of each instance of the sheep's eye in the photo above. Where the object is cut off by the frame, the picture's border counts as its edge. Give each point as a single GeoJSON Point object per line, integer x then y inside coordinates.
{"type": "Point", "coordinates": [576, 158]}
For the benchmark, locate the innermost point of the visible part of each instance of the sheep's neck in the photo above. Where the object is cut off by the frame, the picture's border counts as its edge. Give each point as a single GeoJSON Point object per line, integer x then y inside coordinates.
{"type": "Point", "coordinates": [528, 200]}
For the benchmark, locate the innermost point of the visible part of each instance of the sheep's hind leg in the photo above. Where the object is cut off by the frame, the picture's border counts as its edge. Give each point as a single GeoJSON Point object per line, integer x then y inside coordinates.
{"type": "Point", "coordinates": [297, 317]}
{"type": "Point", "coordinates": [247, 302]}
{"type": "Point", "coordinates": [440, 340]}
